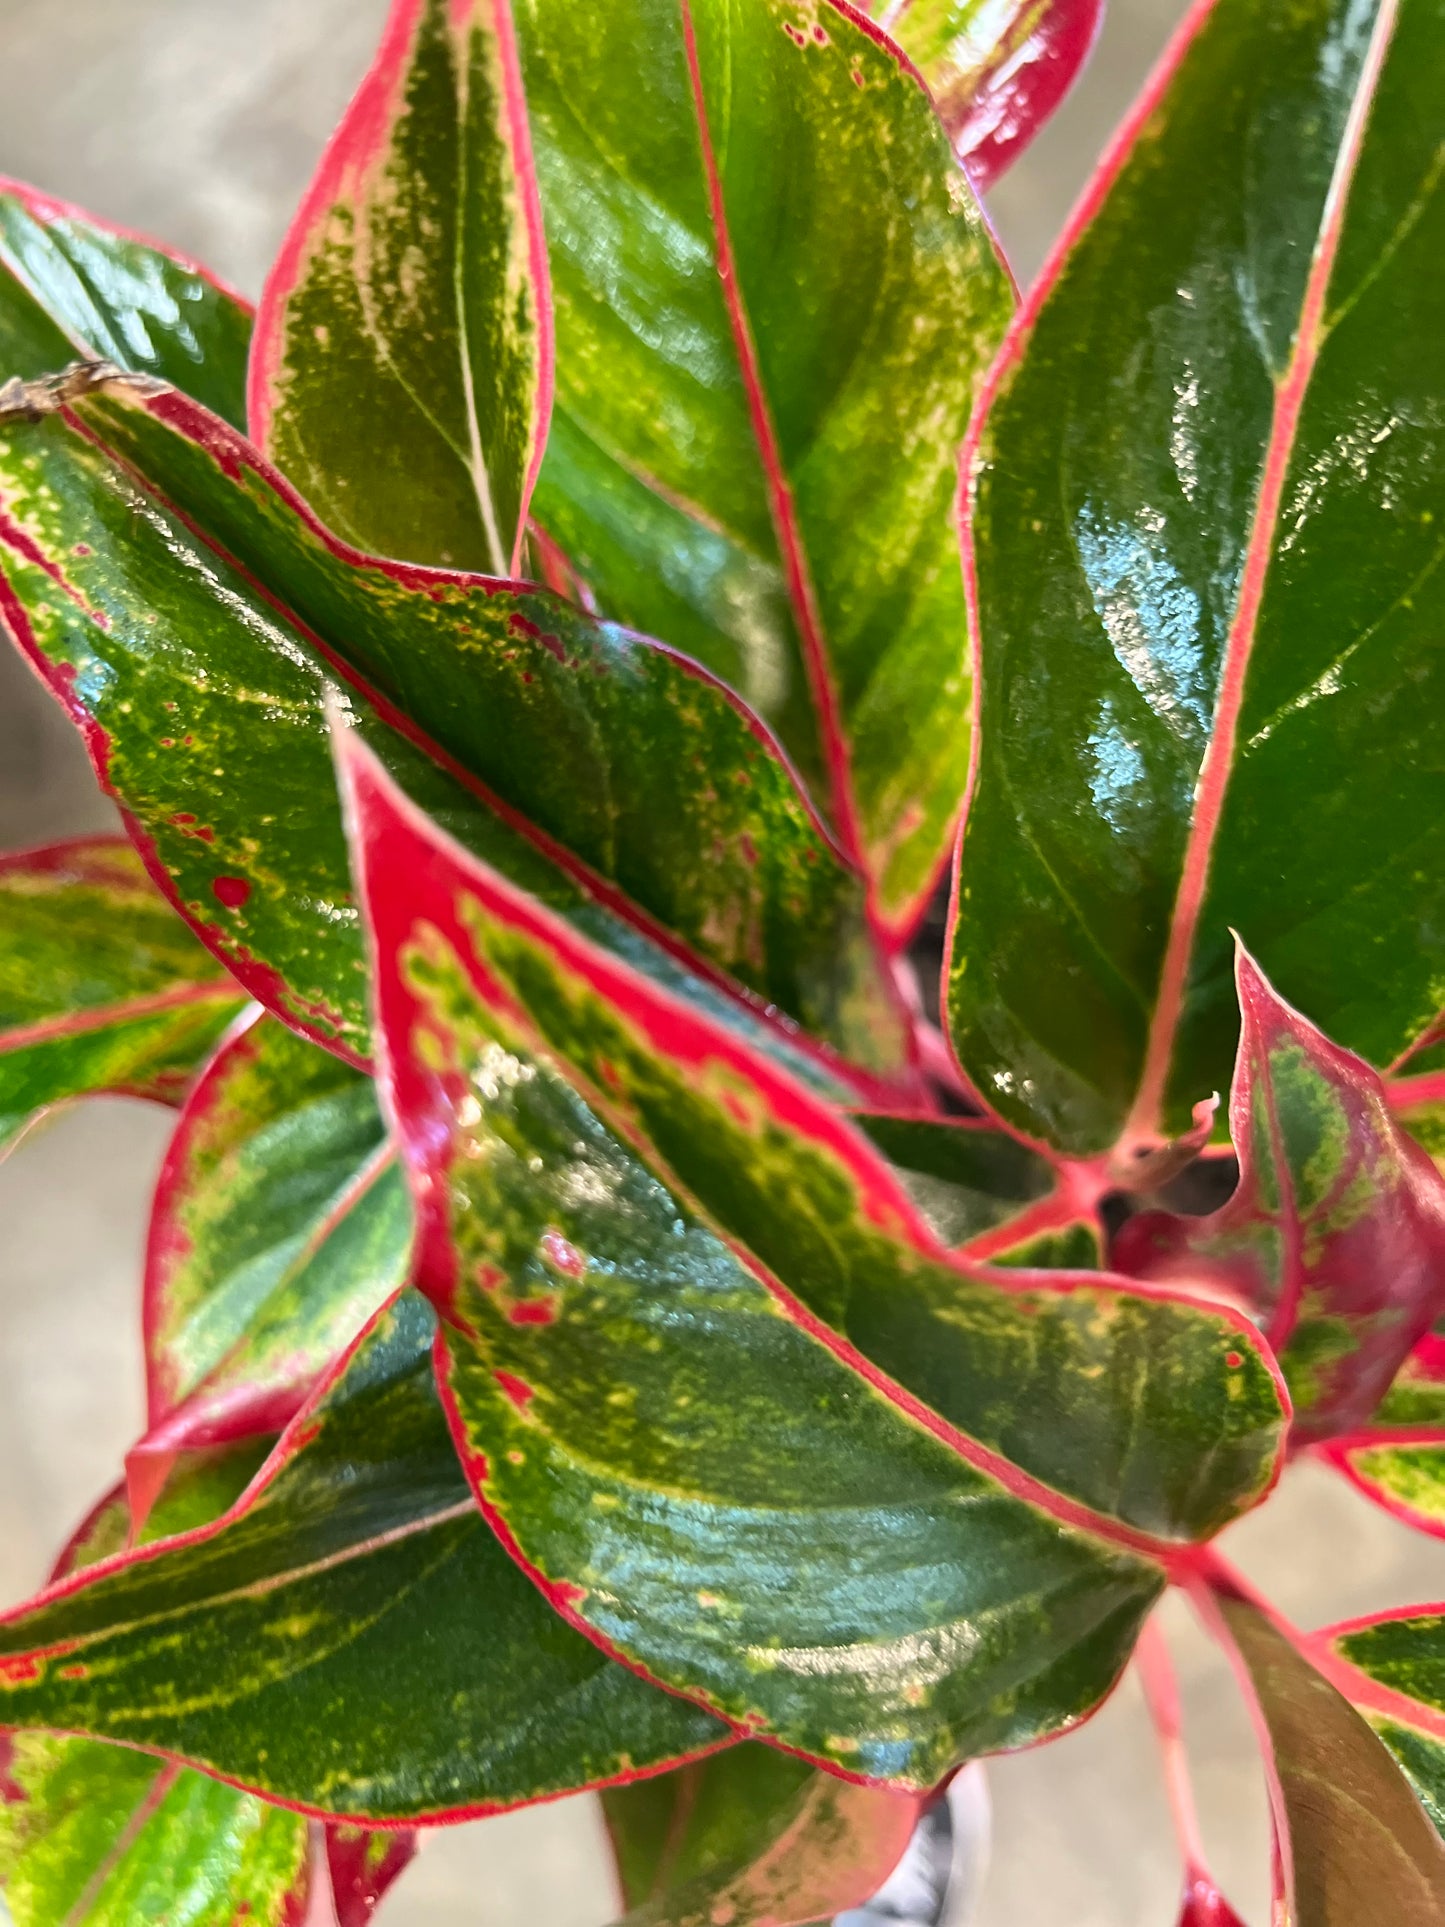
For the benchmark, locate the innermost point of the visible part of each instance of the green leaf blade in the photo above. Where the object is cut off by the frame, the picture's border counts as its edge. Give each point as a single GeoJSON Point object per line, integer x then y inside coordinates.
{"type": "Point", "coordinates": [589, 761]}
{"type": "Point", "coordinates": [280, 1226]}
{"type": "Point", "coordinates": [401, 370]}
{"type": "Point", "coordinates": [97, 1833]}
{"type": "Point", "coordinates": [846, 1250]}
{"type": "Point", "coordinates": [101, 988]}
{"type": "Point", "coordinates": [349, 1638]}
{"type": "Point", "coordinates": [1154, 483]}
{"type": "Point", "coordinates": [72, 286]}
{"type": "Point", "coordinates": [753, 1835]}
{"type": "Point", "coordinates": [745, 355]}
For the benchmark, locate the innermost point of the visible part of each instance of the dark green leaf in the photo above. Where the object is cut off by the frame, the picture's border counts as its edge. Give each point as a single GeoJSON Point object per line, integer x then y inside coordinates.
{"type": "Point", "coordinates": [402, 363]}
{"type": "Point", "coordinates": [71, 285]}
{"type": "Point", "coordinates": [602, 771]}
{"type": "Point", "coordinates": [1205, 533]}
{"type": "Point", "coordinates": [966, 1178]}
{"type": "Point", "coordinates": [1358, 1851]}
{"type": "Point", "coordinates": [280, 1225]}
{"type": "Point", "coordinates": [101, 986]}
{"type": "Point", "coordinates": [775, 299]}
{"type": "Point", "coordinates": [752, 1835]}
{"type": "Point", "coordinates": [986, 1193]}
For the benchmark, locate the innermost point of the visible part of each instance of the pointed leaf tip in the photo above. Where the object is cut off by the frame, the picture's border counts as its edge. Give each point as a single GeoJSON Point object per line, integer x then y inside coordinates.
{"type": "Point", "coordinates": [1335, 1236]}
{"type": "Point", "coordinates": [996, 74]}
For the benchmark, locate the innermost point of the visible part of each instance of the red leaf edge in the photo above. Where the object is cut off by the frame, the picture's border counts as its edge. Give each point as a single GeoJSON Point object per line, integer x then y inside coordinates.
{"type": "Point", "coordinates": [379, 815]}
{"type": "Point", "coordinates": [357, 140]}
{"type": "Point", "coordinates": [1142, 1128]}
{"type": "Point", "coordinates": [295, 1440]}
{"type": "Point", "coordinates": [47, 209]}
{"type": "Point", "coordinates": [1204, 1904]}
{"type": "Point", "coordinates": [232, 453]}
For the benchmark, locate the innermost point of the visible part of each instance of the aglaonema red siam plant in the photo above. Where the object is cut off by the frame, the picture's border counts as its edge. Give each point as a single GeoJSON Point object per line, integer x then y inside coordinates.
{"type": "Point", "coordinates": [600, 1331]}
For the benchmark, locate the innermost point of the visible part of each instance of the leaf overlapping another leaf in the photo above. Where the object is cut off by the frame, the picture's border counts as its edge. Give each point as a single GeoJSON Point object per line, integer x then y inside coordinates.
{"type": "Point", "coordinates": [72, 285]}
{"type": "Point", "coordinates": [707, 1547]}
{"type": "Point", "coordinates": [1402, 1655]}
{"type": "Point", "coordinates": [1205, 552]}
{"type": "Point", "coordinates": [763, 375]}
{"type": "Point", "coordinates": [590, 764]}
{"type": "Point", "coordinates": [101, 989]}
{"type": "Point", "coordinates": [280, 1225]}
{"type": "Point", "coordinates": [996, 72]}
{"type": "Point", "coordinates": [986, 1193]}
{"type": "Point", "coordinates": [1335, 1237]}
{"type": "Point", "coordinates": [1397, 1458]}
{"type": "Point", "coordinates": [402, 369]}
{"type": "Point", "coordinates": [752, 1834]}
{"type": "Point", "coordinates": [349, 1638]}
{"type": "Point", "coordinates": [1353, 1842]}
{"type": "Point", "coordinates": [96, 1833]}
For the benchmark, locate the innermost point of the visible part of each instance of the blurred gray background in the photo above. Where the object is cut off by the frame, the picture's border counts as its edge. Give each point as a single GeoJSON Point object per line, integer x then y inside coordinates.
{"type": "Point", "coordinates": [199, 121]}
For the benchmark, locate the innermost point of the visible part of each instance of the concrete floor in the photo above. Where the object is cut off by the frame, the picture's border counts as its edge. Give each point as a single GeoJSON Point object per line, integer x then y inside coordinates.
{"type": "Point", "coordinates": [198, 120]}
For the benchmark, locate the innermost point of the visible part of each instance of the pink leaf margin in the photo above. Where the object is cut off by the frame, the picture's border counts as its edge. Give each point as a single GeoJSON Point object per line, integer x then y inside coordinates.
{"type": "Point", "coordinates": [407, 869]}
{"type": "Point", "coordinates": [356, 146]}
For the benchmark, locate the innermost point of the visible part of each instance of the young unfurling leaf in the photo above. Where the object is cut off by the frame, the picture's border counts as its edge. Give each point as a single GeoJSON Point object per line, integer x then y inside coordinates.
{"type": "Point", "coordinates": [1335, 1238]}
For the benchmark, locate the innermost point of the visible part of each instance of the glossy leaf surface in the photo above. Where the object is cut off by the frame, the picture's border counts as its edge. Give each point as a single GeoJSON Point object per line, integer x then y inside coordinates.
{"type": "Point", "coordinates": [93, 1835]}
{"type": "Point", "coordinates": [749, 1548]}
{"type": "Point", "coordinates": [590, 763]}
{"type": "Point", "coordinates": [1204, 538]}
{"type": "Point", "coordinates": [996, 71]}
{"type": "Point", "coordinates": [1018, 1363]}
{"type": "Point", "coordinates": [72, 286]}
{"type": "Point", "coordinates": [101, 987]}
{"type": "Point", "coordinates": [781, 1539]}
{"type": "Point", "coordinates": [281, 1224]}
{"type": "Point", "coordinates": [667, 1830]}
{"type": "Point", "coordinates": [1355, 1843]}
{"type": "Point", "coordinates": [350, 1637]}
{"type": "Point", "coordinates": [752, 1835]}
{"type": "Point", "coordinates": [402, 360]}
{"type": "Point", "coordinates": [764, 371]}
{"type": "Point", "coordinates": [1336, 1234]}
